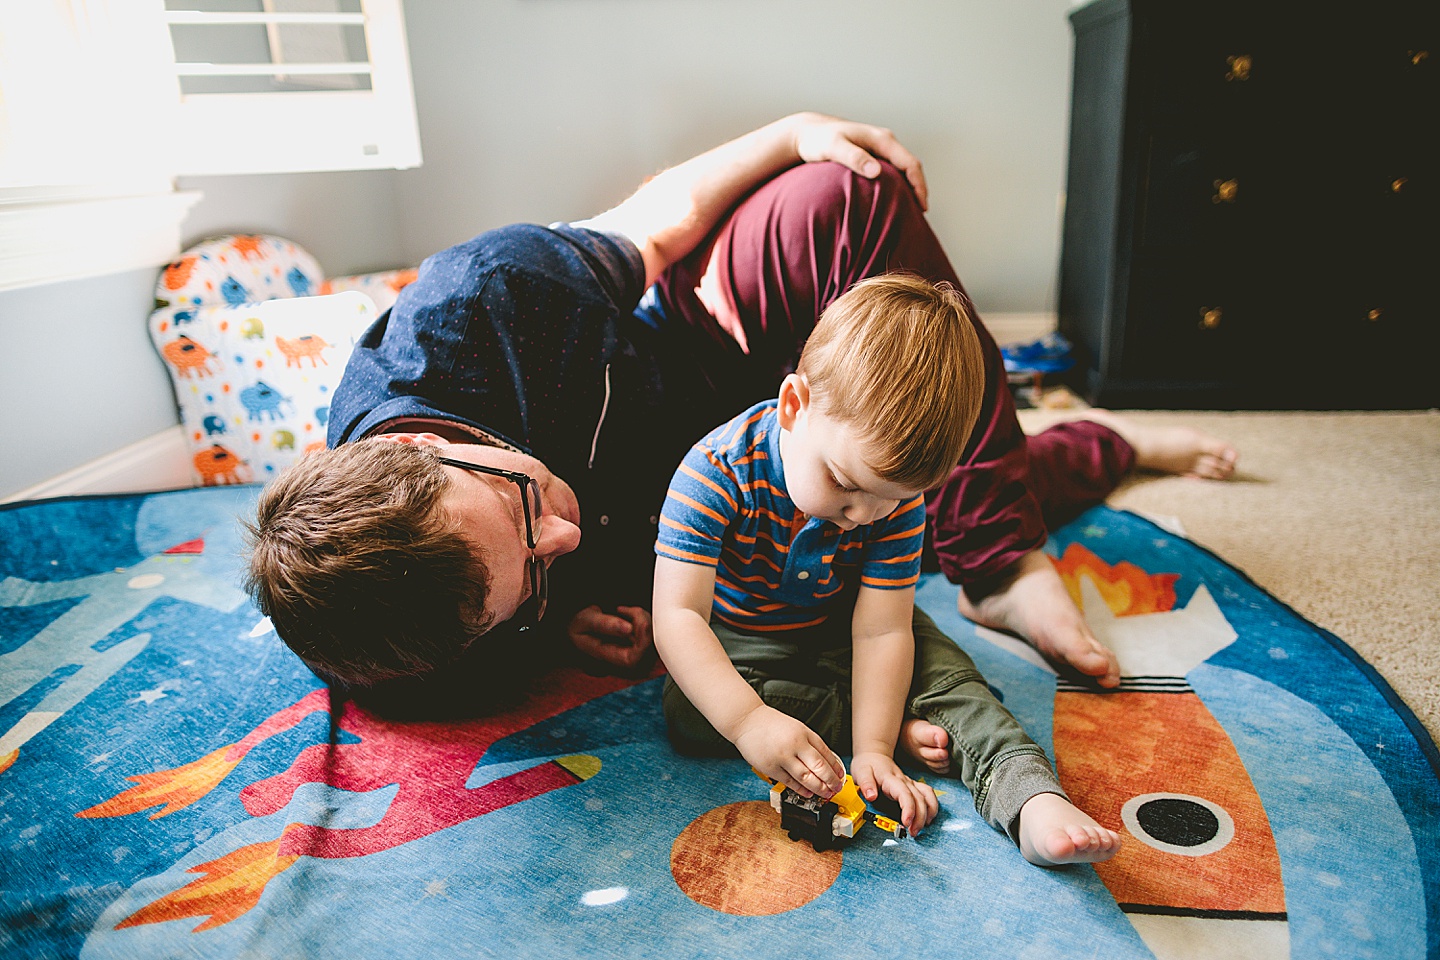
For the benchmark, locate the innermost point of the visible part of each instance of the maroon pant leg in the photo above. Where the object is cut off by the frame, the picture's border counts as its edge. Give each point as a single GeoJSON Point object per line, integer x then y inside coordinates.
{"type": "Point", "coordinates": [750, 294]}
{"type": "Point", "coordinates": [1076, 465]}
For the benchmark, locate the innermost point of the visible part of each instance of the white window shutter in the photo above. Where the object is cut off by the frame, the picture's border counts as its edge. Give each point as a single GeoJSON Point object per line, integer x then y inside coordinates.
{"type": "Point", "coordinates": [289, 130]}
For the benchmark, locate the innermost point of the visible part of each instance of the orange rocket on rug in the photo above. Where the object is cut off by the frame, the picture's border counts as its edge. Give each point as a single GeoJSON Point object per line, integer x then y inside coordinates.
{"type": "Point", "coordinates": [1199, 874]}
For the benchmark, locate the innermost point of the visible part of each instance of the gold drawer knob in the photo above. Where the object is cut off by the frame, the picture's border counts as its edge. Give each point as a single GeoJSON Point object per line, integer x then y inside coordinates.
{"type": "Point", "coordinates": [1418, 57]}
{"type": "Point", "coordinates": [1210, 318]}
{"type": "Point", "coordinates": [1374, 315]}
{"type": "Point", "coordinates": [1226, 191]}
{"type": "Point", "coordinates": [1398, 184]}
{"type": "Point", "coordinates": [1239, 67]}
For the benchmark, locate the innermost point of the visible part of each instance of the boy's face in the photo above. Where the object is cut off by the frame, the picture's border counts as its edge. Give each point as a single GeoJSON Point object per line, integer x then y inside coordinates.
{"type": "Point", "coordinates": [826, 469]}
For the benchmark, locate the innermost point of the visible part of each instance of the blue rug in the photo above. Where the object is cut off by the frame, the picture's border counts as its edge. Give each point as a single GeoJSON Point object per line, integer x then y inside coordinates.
{"type": "Point", "coordinates": [166, 788]}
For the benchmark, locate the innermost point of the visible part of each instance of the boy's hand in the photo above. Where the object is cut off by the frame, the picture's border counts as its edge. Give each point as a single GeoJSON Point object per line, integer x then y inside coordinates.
{"type": "Point", "coordinates": [875, 772]}
{"type": "Point", "coordinates": [788, 752]}
{"type": "Point", "coordinates": [620, 639]}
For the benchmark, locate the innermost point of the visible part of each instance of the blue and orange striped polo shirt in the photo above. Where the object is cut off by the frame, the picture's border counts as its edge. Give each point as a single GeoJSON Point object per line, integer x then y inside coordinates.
{"type": "Point", "coordinates": [776, 568]}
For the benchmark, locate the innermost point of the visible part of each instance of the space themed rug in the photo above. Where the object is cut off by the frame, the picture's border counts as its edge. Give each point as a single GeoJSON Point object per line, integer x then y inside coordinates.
{"type": "Point", "coordinates": [169, 786]}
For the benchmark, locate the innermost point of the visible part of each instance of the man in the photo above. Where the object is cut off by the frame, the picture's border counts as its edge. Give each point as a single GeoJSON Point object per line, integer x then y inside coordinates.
{"type": "Point", "coordinates": [561, 373]}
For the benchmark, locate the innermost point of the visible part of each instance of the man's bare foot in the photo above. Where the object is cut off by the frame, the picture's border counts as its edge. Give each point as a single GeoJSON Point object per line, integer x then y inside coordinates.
{"type": "Point", "coordinates": [1172, 449]}
{"type": "Point", "coordinates": [1054, 832]}
{"type": "Point", "coordinates": [1035, 605]}
{"type": "Point", "coordinates": [927, 743]}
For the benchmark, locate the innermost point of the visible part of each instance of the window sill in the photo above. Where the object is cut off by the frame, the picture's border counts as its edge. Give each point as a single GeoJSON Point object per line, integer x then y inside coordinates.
{"type": "Point", "coordinates": [52, 241]}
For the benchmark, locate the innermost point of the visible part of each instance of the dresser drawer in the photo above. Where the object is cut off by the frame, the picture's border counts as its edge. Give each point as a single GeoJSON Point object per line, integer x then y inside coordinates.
{"type": "Point", "coordinates": [1380, 69]}
{"type": "Point", "coordinates": [1374, 188]}
{"type": "Point", "coordinates": [1217, 195]}
{"type": "Point", "coordinates": [1362, 331]}
{"type": "Point", "coordinates": [1193, 318]}
{"type": "Point", "coordinates": [1224, 64]}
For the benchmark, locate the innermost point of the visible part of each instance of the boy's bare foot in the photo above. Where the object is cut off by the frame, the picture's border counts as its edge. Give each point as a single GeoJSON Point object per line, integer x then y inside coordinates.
{"type": "Point", "coordinates": [1035, 605]}
{"type": "Point", "coordinates": [1172, 449]}
{"type": "Point", "coordinates": [1054, 832]}
{"type": "Point", "coordinates": [927, 743]}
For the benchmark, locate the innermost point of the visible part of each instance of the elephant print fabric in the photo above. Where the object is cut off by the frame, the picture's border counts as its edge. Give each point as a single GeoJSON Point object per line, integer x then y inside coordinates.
{"type": "Point", "coordinates": [254, 353]}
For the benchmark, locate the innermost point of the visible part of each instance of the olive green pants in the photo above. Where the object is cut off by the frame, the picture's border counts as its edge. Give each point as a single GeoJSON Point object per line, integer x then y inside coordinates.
{"type": "Point", "coordinates": [808, 677]}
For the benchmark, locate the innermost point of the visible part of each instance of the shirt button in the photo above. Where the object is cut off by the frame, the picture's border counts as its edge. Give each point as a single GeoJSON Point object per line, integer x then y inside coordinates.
{"type": "Point", "coordinates": [604, 520]}
{"type": "Point", "coordinates": [803, 575]}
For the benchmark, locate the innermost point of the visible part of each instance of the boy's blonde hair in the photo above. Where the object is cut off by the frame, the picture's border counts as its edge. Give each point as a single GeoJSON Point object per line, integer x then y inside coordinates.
{"type": "Point", "coordinates": [897, 359]}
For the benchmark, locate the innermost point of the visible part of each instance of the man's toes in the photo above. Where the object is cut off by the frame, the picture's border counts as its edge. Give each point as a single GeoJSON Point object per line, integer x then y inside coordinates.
{"type": "Point", "coordinates": [1211, 467]}
{"type": "Point", "coordinates": [1096, 662]}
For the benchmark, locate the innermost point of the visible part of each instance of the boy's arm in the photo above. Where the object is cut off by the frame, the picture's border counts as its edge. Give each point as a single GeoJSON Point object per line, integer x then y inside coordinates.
{"type": "Point", "coordinates": [883, 665]}
{"type": "Point", "coordinates": [777, 745]}
{"type": "Point", "coordinates": [668, 216]}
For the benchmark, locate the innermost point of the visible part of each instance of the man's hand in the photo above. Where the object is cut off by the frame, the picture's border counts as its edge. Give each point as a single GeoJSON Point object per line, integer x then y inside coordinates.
{"type": "Point", "coordinates": [856, 145]}
{"type": "Point", "coordinates": [620, 639]}
{"type": "Point", "coordinates": [674, 210]}
{"type": "Point", "coordinates": [875, 773]}
{"type": "Point", "coordinates": [1033, 603]}
{"type": "Point", "coordinates": [788, 752]}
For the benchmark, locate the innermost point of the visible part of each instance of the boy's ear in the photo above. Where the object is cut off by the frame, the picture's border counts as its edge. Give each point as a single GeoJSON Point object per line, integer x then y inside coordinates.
{"type": "Point", "coordinates": [794, 398]}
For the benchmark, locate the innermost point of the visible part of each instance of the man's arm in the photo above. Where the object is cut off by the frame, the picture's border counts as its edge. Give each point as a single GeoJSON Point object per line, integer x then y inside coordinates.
{"type": "Point", "coordinates": [882, 666]}
{"type": "Point", "coordinates": [779, 746]}
{"type": "Point", "coordinates": [673, 211]}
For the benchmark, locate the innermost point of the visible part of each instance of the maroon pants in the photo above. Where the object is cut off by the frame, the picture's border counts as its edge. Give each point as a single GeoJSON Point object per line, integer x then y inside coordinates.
{"type": "Point", "coordinates": [749, 296]}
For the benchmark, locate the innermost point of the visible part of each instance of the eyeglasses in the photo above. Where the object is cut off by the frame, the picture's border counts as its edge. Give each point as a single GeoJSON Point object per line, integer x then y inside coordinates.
{"type": "Point", "coordinates": [529, 613]}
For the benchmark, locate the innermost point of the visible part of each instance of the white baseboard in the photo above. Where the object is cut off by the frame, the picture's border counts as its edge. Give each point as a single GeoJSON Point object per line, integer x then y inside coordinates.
{"type": "Point", "coordinates": [1009, 328]}
{"type": "Point", "coordinates": [158, 462]}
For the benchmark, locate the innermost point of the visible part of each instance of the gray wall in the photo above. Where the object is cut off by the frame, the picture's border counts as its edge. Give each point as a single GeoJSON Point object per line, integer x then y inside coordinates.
{"type": "Point", "coordinates": [541, 110]}
{"type": "Point", "coordinates": [78, 376]}
{"type": "Point", "coordinates": [555, 109]}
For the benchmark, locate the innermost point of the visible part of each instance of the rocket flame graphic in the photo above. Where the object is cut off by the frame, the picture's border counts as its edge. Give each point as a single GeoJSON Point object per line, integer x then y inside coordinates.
{"type": "Point", "coordinates": [231, 885]}
{"type": "Point", "coordinates": [1126, 589]}
{"type": "Point", "coordinates": [176, 789]}
{"type": "Point", "coordinates": [429, 762]}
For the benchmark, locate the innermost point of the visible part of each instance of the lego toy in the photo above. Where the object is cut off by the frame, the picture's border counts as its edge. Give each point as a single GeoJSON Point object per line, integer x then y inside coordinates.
{"type": "Point", "coordinates": [823, 822]}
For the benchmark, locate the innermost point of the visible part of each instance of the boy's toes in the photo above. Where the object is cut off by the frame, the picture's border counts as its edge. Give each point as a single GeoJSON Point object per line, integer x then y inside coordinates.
{"type": "Point", "coordinates": [937, 760]}
{"type": "Point", "coordinates": [927, 743]}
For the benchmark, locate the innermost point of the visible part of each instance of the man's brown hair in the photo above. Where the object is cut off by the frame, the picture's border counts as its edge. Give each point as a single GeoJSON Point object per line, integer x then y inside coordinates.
{"type": "Point", "coordinates": [360, 569]}
{"type": "Point", "coordinates": [897, 359]}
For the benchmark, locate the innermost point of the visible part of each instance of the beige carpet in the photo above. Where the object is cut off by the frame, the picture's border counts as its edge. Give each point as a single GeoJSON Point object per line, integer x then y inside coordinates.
{"type": "Point", "coordinates": [1336, 514]}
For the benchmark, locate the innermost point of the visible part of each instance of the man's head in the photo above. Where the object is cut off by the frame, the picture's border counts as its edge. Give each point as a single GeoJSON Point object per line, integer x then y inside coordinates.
{"type": "Point", "coordinates": [375, 561]}
{"type": "Point", "coordinates": [884, 399]}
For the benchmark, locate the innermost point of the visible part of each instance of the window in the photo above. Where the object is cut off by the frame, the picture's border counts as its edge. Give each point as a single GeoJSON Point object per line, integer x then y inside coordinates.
{"type": "Point", "coordinates": [272, 86]}
{"type": "Point", "coordinates": [104, 102]}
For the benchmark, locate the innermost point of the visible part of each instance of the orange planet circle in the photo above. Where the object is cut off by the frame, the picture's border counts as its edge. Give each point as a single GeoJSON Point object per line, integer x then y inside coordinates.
{"type": "Point", "coordinates": [737, 860]}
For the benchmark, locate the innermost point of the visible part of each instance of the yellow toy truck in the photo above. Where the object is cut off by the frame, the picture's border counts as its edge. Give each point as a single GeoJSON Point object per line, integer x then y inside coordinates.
{"type": "Point", "coordinates": [824, 822]}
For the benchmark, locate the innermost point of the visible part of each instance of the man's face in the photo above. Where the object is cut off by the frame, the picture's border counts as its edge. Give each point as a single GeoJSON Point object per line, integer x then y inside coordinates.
{"type": "Point", "coordinates": [491, 516]}
{"type": "Point", "coordinates": [826, 468]}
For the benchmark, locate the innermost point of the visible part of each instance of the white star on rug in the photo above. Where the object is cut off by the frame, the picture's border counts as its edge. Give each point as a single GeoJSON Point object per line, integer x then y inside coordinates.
{"type": "Point", "coordinates": [150, 696]}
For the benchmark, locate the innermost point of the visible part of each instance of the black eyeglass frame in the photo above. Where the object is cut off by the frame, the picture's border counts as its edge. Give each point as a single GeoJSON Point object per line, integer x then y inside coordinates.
{"type": "Point", "coordinates": [529, 613]}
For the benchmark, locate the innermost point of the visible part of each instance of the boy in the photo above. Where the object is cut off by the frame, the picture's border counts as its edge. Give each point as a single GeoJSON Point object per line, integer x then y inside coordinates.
{"type": "Point", "coordinates": [803, 517]}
